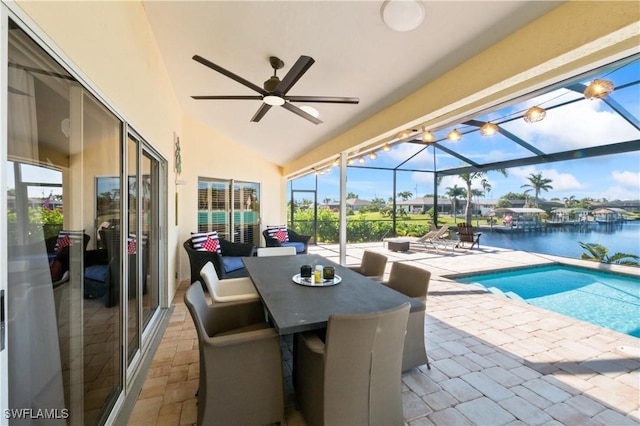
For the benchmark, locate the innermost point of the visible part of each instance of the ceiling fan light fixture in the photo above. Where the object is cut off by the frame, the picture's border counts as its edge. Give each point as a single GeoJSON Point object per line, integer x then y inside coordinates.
{"type": "Point", "coordinates": [598, 89]}
{"type": "Point", "coordinates": [488, 129]}
{"type": "Point", "coordinates": [534, 114]}
{"type": "Point", "coordinates": [454, 135]}
{"type": "Point", "coordinates": [273, 100]}
{"type": "Point", "coordinates": [402, 15]}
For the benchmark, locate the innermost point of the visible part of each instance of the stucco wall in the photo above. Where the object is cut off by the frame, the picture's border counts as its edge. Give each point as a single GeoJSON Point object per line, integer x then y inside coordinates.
{"type": "Point", "coordinates": [112, 46]}
{"type": "Point", "coordinates": [209, 154]}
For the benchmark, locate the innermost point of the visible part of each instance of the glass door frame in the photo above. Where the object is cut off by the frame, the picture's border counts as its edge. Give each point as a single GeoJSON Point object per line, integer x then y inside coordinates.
{"type": "Point", "coordinates": [144, 333]}
{"type": "Point", "coordinates": [4, 363]}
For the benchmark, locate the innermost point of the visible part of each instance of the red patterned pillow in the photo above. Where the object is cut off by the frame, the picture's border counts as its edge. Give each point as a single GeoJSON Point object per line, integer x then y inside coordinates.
{"type": "Point", "coordinates": [206, 241]}
{"type": "Point", "coordinates": [278, 232]}
{"type": "Point", "coordinates": [211, 244]}
{"type": "Point", "coordinates": [131, 246]}
{"type": "Point", "coordinates": [64, 240]}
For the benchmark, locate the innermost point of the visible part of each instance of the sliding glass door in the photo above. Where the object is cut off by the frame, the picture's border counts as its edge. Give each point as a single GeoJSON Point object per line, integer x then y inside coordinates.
{"type": "Point", "coordinates": [85, 197]}
{"type": "Point", "coordinates": [230, 207]}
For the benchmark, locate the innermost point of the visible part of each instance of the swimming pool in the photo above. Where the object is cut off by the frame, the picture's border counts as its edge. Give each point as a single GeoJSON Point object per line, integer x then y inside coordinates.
{"type": "Point", "coordinates": [604, 299]}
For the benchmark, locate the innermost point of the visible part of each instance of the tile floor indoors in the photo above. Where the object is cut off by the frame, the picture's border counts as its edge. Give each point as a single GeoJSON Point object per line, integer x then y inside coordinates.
{"type": "Point", "coordinates": [494, 361]}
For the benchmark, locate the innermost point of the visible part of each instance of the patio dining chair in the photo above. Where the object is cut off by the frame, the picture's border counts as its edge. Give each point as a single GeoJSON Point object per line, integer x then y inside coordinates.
{"type": "Point", "coordinates": [353, 376]}
{"type": "Point", "coordinates": [240, 378]}
{"type": "Point", "coordinates": [372, 265]}
{"type": "Point", "coordinates": [229, 290]}
{"type": "Point", "coordinates": [412, 282]}
{"type": "Point", "coordinates": [276, 251]}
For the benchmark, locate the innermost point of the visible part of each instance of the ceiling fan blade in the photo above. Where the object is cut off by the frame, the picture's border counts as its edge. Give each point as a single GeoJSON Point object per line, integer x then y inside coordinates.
{"type": "Point", "coordinates": [297, 70]}
{"type": "Point", "coordinates": [323, 99]}
{"type": "Point", "coordinates": [261, 112]}
{"type": "Point", "coordinates": [241, 98]}
{"type": "Point", "coordinates": [229, 74]}
{"type": "Point", "coordinates": [294, 109]}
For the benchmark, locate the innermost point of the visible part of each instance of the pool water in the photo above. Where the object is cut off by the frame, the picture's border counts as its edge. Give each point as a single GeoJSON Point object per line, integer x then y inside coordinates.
{"type": "Point", "coordinates": [607, 300]}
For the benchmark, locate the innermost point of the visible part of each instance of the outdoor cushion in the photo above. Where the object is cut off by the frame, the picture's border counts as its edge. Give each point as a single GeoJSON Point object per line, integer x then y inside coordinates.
{"type": "Point", "coordinates": [300, 247]}
{"type": "Point", "coordinates": [97, 272]}
{"type": "Point", "coordinates": [206, 241]}
{"type": "Point", "coordinates": [232, 263]}
{"type": "Point", "coordinates": [278, 232]}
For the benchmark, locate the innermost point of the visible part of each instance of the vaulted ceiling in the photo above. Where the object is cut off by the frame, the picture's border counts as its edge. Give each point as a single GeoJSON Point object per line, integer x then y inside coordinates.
{"type": "Point", "coordinates": [355, 55]}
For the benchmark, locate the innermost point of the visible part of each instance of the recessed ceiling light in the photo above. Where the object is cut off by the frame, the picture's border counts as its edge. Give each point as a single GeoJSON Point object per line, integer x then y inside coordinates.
{"type": "Point", "coordinates": [402, 15]}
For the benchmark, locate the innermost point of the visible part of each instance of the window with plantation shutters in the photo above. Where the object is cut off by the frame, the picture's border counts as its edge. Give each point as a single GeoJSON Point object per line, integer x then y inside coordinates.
{"type": "Point", "coordinates": [231, 208]}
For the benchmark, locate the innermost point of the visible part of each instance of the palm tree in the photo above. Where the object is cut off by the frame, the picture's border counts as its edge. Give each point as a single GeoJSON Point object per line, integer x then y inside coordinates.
{"type": "Point", "coordinates": [405, 195]}
{"type": "Point", "coordinates": [468, 178]}
{"type": "Point", "coordinates": [599, 253]}
{"type": "Point", "coordinates": [538, 183]}
{"type": "Point", "coordinates": [453, 193]}
{"type": "Point", "coordinates": [569, 201]}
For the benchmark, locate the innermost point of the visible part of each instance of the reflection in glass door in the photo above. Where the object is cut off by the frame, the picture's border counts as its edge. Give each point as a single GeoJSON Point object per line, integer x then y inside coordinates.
{"type": "Point", "coordinates": [131, 257]}
{"type": "Point", "coordinates": [149, 236]}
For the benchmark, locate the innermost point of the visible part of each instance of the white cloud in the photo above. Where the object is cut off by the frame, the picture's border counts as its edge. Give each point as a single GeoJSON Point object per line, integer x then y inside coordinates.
{"type": "Point", "coordinates": [559, 181]}
{"type": "Point", "coordinates": [619, 193]}
{"type": "Point", "coordinates": [627, 178]}
{"type": "Point", "coordinates": [577, 125]}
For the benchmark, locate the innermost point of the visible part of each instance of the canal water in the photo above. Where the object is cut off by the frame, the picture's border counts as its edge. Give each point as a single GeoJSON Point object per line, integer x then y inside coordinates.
{"type": "Point", "coordinates": [622, 237]}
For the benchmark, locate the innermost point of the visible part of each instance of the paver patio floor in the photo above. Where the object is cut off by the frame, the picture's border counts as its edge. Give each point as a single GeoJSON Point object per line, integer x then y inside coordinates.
{"type": "Point", "coordinates": [494, 361]}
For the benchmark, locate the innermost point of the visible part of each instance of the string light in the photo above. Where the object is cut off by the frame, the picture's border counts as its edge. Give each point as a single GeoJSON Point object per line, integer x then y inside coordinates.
{"type": "Point", "coordinates": [534, 114]}
{"type": "Point", "coordinates": [454, 135]}
{"type": "Point", "coordinates": [373, 155]}
{"type": "Point", "coordinates": [428, 137]}
{"type": "Point", "coordinates": [386, 147]}
{"type": "Point", "coordinates": [361, 159]}
{"type": "Point", "coordinates": [598, 89]}
{"type": "Point", "coordinates": [488, 129]}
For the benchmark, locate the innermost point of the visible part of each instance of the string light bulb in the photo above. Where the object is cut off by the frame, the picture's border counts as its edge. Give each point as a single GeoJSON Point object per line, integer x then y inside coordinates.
{"type": "Point", "coordinates": [386, 147]}
{"type": "Point", "coordinates": [361, 159]}
{"type": "Point", "coordinates": [534, 114]}
{"type": "Point", "coordinates": [403, 134]}
{"type": "Point", "coordinates": [428, 137]}
{"type": "Point", "coordinates": [488, 129]}
{"type": "Point", "coordinates": [336, 162]}
{"type": "Point", "coordinates": [373, 155]}
{"type": "Point", "coordinates": [598, 89]}
{"type": "Point", "coordinates": [454, 135]}
{"type": "Point", "coordinates": [350, 161]}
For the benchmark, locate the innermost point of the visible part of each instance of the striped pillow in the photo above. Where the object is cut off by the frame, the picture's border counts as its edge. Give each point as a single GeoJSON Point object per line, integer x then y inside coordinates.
{"type": "Point", "coordinates": [206, 241]}
{"type": "Point", "coordinates": [278, 232]}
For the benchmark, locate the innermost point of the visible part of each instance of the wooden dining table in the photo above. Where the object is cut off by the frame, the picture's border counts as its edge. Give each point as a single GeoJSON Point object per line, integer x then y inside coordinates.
{"type": "Point", "coordinates": [295, 308]}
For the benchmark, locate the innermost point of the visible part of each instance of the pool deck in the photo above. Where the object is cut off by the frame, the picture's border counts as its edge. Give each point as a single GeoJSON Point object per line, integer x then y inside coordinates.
{"type": "Point", "coordinates": [494, 361]}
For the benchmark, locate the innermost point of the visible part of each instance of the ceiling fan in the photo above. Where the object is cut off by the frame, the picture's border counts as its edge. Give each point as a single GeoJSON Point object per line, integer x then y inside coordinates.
{"type": "Point", "coordinates": [274, 91]}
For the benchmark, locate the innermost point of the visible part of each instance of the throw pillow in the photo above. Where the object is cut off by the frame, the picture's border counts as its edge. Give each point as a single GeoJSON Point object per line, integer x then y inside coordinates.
{"type": "Point", "coordinates": [131, 245]}
{"type": "Point", "coordinates": [206, 241]}
{"type": "Point", "coordinates": [278, 232]}
{"type": "Point", "coordinates": [64, 240]}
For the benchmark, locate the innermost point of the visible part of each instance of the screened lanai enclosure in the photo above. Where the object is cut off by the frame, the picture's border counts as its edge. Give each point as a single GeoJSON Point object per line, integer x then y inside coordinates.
{"type": "Point", "coordinates": [585, 127]}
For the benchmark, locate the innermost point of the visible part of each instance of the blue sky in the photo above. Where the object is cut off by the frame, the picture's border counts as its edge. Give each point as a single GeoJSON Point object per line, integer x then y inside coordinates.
{"type": "Point", "coordinates": [576, 125]}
